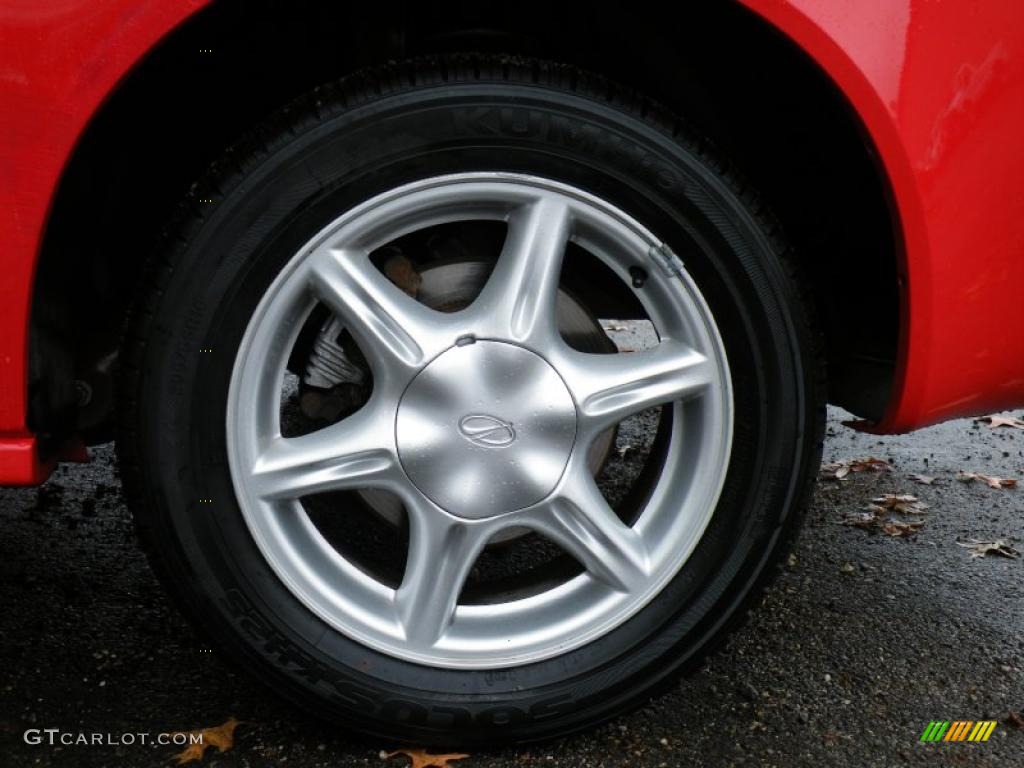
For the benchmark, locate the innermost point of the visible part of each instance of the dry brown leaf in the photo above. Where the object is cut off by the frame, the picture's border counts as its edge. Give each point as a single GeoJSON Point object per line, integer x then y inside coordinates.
{"type": "Point", "coordinates": [865, 521]}
{"type": "Point", "coordinates": [222, 737]}
{"type": "Point", "coordinates": [418, 758]}
{"type": "Point", "coordinates": [990, 480]}
{"type": "Point", "coordinates": [901, 503]}
{"type": "Point", "coordinates": [837, 470]}
{"type": "Point", "coordinates": [923, 479]}
{"type": "Point", "coordinates": [1014, 720]}
{"type": "Point", "coordinates": [869, 464]}
{"type": "Point", "coordinates": [896, 528]}
{"type": "Point", "coordinates": [986, 548]}
{"type": "Point", "coordinates": [876, 520]}
{"type": "Point", "coordinates": [1002, 421]}
{"type": "Point", "coordinates": [878, 515]}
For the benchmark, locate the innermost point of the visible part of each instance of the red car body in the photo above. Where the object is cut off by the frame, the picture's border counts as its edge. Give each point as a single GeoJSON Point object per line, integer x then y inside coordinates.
{"type": "Point", "coordinates": [937, 86]}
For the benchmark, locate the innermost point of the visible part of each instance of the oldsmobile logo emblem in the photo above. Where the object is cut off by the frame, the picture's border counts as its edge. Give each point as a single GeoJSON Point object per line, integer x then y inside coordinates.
{"type": "Point", "coordinates": [490, 431]}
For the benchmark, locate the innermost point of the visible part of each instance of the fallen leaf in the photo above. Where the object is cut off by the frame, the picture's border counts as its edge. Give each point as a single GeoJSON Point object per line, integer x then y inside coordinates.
{"type": "Point", "coordinates": [875, 521]}
{"type": "Point", "coordinates": [923, 479]}
{"type": "Point", "coordinates": [418, 758]}
{"type": "Point", "coordinates": [1014, 720]}
{"type": "Point", "coordinates": [985, 548]}
{"type": "Point", "coordinates": [902, 503]}
{"type": "Point", "coordinates": [834, 470]}
{"type": "Point", "coordinates": [869, 464]}
{"type": "Point", "coordinates": [896, 528]}
{"type": "Point", "coordinates": [990, 480]}
{"type": "Point", "coordinates": [1002, 421]}
{"type": "Point", "coordinates": [837, 470]}
{"type": "Point", "coordinates": [878, 515]}
{"type": "Point", "coordinates": [865, 521]}
{"type": "Point", "coordinates": [222, 737]}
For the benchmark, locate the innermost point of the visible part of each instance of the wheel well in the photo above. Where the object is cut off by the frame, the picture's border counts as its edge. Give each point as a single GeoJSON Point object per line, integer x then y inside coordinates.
{"type": "Point", "coordinates": [729, 74]}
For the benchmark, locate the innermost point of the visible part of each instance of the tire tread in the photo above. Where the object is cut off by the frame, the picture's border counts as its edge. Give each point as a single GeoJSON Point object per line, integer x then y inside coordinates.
{"type": "Point", "coordinates": [326, 102]}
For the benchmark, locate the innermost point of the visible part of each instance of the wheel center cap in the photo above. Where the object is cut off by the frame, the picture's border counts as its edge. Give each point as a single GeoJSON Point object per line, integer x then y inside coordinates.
{"type": "Point", "coordinates": [485, 428]}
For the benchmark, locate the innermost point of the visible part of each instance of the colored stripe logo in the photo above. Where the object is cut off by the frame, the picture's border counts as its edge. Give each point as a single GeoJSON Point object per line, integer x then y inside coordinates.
{"type": "Point", "coordinates": [958, 730]}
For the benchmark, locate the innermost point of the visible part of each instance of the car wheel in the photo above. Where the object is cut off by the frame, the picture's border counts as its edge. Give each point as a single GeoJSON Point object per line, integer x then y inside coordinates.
{"type": "Point", "coordinates": [469, 400]}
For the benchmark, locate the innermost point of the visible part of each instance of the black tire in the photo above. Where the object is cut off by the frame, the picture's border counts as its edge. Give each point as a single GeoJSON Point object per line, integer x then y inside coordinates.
{"type": "Point", "coordinates": [340, 146]}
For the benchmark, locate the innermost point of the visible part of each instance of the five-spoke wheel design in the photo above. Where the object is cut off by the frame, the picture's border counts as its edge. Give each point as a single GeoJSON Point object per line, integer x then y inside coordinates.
{"type": "Point", "coordinates": [481, 422]}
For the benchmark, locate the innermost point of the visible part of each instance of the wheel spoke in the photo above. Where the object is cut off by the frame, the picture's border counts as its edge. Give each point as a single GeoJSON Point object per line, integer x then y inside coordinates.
{"type": "Point", "coordinates": [518, 301]}
{"type": "Point", "coordinates": [390, 327]}
{"type": "Point", "coordinates": [442, 551]}
{"type": "Point", "coordinates": [480, 422]}
{"type": "Point", "coordinates": [608, 388]}
{"type": "Point", "coordinates": [350, 454]}
{"type": "Point", "coordinates": [582, 521]}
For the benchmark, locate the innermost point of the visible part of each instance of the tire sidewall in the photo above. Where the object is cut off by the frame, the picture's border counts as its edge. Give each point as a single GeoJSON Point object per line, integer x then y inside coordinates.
{"type": "Point", "coordinates": [298, 186]}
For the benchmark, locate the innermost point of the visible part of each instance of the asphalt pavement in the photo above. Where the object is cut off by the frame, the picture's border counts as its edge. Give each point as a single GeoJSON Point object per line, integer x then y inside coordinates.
{"type": "Point", "coordinates": [865, 639]}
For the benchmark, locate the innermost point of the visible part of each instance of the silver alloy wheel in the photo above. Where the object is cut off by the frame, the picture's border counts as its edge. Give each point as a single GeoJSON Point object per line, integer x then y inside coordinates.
{"type": "Point", "coordinates": [480, 421]}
